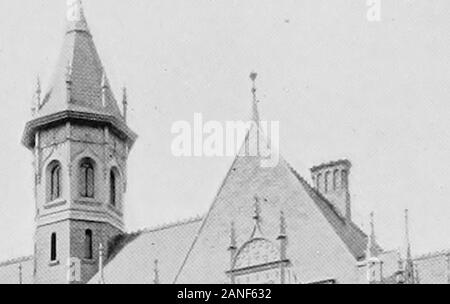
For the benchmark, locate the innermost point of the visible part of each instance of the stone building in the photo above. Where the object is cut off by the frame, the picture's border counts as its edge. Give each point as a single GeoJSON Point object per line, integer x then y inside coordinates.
{"type": "Point", "coordinates": [266, 225]}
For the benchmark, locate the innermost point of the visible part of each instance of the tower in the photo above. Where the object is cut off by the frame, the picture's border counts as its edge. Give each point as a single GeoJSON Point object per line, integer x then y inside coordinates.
{"type": "Point", "coordinates": [80, 142]}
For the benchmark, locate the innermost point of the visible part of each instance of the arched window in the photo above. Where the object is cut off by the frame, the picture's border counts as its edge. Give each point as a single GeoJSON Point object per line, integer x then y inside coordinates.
{"type": "Point", "coordinates": [113, 187]}
{"type": "Point", "coordinates": [344, 179]}
{"type": "Point", "coordinates": [319, 181]}
{"type": "Point", "coordinates": [55, 181]}
{"type": "Point", "coordinates": [327, 181]}
{"type": "Point", "coordinates": [87, 178]}
{"type": "Point", "coordinates": [88, 252]}
{"type": "Point", "coordinates": [335, 179]}
{"type": "Point", "coordinates": [53, 248]}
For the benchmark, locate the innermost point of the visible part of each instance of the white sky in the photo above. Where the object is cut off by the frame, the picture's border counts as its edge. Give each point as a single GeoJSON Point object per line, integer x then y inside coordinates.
{"type": "Point", "coordinates": [376, 93]}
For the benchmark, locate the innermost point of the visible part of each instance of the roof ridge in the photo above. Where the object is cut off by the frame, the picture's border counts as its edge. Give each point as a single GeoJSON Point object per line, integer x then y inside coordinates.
{"type": "Point", "coordinates": [168, 225]}
{"type": "Point", "coordinates": [432, 254]}
{"type": "Point", "coordinates": [16, 260]}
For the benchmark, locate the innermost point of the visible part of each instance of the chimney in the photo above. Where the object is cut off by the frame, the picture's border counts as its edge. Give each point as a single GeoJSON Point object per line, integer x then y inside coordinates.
{"type": "Point", "coordinates": [331, 180]}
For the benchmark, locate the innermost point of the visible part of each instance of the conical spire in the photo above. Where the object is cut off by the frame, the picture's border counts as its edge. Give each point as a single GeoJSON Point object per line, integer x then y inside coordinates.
{"type": "Point", "coordinates": [79, 86]}
{"type": "Point", "coordinates": [76, 21]}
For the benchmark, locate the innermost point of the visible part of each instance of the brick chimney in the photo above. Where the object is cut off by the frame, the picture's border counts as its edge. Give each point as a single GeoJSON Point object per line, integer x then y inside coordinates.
{"type": "Point", "coordinates": [331, 180]}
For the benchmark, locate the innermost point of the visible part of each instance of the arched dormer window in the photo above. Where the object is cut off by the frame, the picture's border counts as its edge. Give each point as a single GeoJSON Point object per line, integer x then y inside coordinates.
{"type": "Point", "coordinates": [113, 182]}
{"type": "Point", "coordinates": [88, 250]}
{"type": "Point", "coordinates": [53, 248]}
{"type": "Point", "coordinates": [319, 182]}
{"type": "Point", "coordinates": [87, 178]}
{"type": "Point", "coordinates": [344, 179]}
{"type": "Point", "coordinates": [54, 181]}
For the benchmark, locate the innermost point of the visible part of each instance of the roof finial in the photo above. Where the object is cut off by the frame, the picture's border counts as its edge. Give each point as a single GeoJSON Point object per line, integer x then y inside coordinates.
{"type": "Point", "coordinates": [100, 264]}
{"type": "Point", "coordinates": [156, 272]}
{"type": "Point", "coordinates": [255, 111]}
{"type": "Point", "coordinates": [20, 274]}
{"type": "Point", "coordinates": [125, 102]}
{"type": "Point", "coordinates": [409, 264]}
{"type": "Point", "coordinates": [371, 247]}
{"type": "Point", "coordinates": [75, 16]}
{"type": "Point", "coordinates": [257, 218]}
{"type": "Point", "coordinates": [36, 103]}
{"type": "Point", "coordinates": [104, 86]}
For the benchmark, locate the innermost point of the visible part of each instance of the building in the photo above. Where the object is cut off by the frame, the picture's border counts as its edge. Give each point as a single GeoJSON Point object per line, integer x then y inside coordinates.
{"type": "Point", "coordinates": [266, 225]}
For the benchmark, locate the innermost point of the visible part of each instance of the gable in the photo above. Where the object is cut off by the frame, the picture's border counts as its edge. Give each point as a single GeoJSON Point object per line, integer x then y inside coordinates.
{"type": "Point", "coordinates": [317, 248]}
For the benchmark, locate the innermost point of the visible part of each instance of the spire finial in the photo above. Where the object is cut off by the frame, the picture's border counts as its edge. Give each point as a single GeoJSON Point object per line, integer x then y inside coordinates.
{"type": "Point", "coordinates": [36, 103]}
{"type": "Point", "coordinates": [104, 86]}
{"type": "Point", "coordinates": [125, 102]}
{"type": "Point", "coordinates": [257, 217]}
{"type": "Point", "coordinates": [233, 243]}
{"type": "Point", "coordinates": [20, 274]}
{"type": "Point", "coordinates": [156, 272]}
{"type": "Point", "coordinates": [371, 247]}
{"type": "Point", "coordinates": [409, 263]}
{"type": "Point", "coordinates": [69, 73]}
{"type": "Point", "coordinates": [75, 16]}
{"type": "Point", "coordinates": [282, 225]}
{"type": "Point", "coordinates": [255, 111]}
{"type": "Point", "coordinates": [100, 262]}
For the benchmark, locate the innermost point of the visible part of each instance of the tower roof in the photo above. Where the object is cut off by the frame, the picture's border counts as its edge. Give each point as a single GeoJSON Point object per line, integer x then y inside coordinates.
{"type": "Point", "coordinates": [79, 83]}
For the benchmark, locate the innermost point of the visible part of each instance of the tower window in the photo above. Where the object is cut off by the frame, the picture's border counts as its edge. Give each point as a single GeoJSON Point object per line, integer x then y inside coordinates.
{"type": "Point", "coordinates": [87, 178]}
{"type": "Point", "coordinates": [53, 248]}
{"type": "Point", "coordinates": [55, 181]}
{"type": "Point", "coordinates": [113, 187]}
{"type": "Point", "coordinates": [318, 181]}
{"type": "Point", "coordinates": [88, 250]}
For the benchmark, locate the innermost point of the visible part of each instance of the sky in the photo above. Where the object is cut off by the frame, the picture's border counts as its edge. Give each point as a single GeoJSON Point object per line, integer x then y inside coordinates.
{"type": "Point", "coordinates": [376, 93]}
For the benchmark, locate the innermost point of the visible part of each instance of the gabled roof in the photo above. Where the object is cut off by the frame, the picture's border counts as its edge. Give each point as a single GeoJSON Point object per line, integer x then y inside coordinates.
{"type": "Point", "coordinates": [134, 263]}
{"type": "Point", "coordinates": [17, 271]}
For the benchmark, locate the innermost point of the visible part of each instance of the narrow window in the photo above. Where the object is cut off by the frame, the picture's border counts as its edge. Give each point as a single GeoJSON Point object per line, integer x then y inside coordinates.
{"type": "Point", "coordinates": [87, 179]}
{"type": "Point", "coordinates": [88, 252]}
{"type": "Point", "coordinates": [113, 188]}
{"type": "Point", "coordinates": [53, 249]}
{"type": "Point", "coordinates": [318, 181]}
{"type": "Point", "coordinates": [327, 181]}
{"type": "Point", "coordinates": [335, 179]}
{"type": "Point", "coordinates": [55, 182]}
{"type": "Point", "coordinates": [344, 179]}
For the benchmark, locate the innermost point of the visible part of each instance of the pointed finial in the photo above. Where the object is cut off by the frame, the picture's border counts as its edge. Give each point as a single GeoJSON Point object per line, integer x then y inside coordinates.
{"type": "Point", "coordinates": [36, 102]}
{"type": "Point", "coordinates": [104, 86]}
{"type": "Point", "coordinates": [69, 72]}
{"type": "Point", "coordinates": [100, 264]}
{"type": "Point", "coordinates": [75, 16]}
{"type": "Point", "coordinates": [233, 242]}
{"type": "Point", "coordinates": [371, 247]}
{"type": "Point", "coordinates": [125, 102]}
{"type": "Point", "coordinates": [255, 111]}
{"type": "Point", "coordinates": [282, 226]}
{"type": "Point", "coordinates": [409, 271]}
{"type": "Point", "coordinates": [20, 274]}
{"type": "Point", "coordinates": [156, 272]}
{"type": "Point", "coordinates": [257, 215]}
